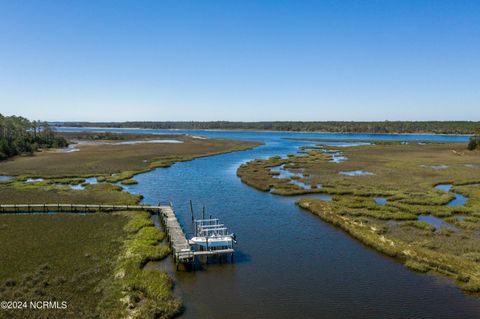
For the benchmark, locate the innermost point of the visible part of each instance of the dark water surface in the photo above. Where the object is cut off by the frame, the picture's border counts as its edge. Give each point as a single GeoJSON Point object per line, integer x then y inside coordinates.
{"type": "Point", "coordinates": [289, 264]}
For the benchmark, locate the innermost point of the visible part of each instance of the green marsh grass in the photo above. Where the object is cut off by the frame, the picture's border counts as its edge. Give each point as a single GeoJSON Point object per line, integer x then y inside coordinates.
{"type": "Point", "coordinates": [43, 193]}
{"type": "Point", "coordinates": [94, 262]}
{"type": "Point", "coordinates": [147, 293]}
{"type": "Point", "coordinates": [65, 257]}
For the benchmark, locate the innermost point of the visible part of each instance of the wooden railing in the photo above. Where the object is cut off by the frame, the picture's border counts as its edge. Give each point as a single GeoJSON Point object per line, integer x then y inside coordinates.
{"type": "Point", "coordinates": [74, 208]}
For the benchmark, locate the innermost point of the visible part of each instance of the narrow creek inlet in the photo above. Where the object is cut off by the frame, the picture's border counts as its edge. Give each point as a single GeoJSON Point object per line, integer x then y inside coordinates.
{"type": "Point", "coordinates": [288, 264]}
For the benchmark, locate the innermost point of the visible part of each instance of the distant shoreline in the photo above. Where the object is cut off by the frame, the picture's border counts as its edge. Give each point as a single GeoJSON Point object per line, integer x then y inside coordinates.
{"type": "Point", "coordinates": [253, 130]}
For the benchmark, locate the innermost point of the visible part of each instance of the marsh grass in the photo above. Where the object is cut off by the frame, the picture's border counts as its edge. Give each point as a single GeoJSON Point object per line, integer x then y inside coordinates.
{"type": "Point", "coordinates": [417, 266]}
{"type": "Point", "coordinates": [471, 223]}
{"type": "Point", "coordinates": [146, 293]}
{"type": "Point", "coordinates": [403, 175]}
{"type": "Point", "coordinates": [129, 182]}
{"type": "Point", "coordinates": [45, 193]}
{"type": "Point", "coordinates": [117, 162]}
{"type": "Point", "coordinates": [109, 163]}
{"type": "Point", "coordinates": [420, 225]}
{"type": "Point", "coordinates": [417, 257]}
{"type": "Point", "coordinates": [94, 262]}
{"type": "Point", "coordinates": [61, 257]}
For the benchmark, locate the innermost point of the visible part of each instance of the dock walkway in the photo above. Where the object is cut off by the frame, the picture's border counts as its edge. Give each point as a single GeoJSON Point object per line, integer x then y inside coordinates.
{"type": "Point", "coordinates": [73, 208]}
{"type": "Point", "coordinates": [181, 249]}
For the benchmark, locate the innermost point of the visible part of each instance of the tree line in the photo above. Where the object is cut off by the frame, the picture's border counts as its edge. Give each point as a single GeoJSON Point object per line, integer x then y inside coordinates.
{"type": "Point", "coordinates": [474, 143]}
{"type": "Point", "coordinates": [379, 127]}
{"type": "Point", "coordinates": [18, 135]}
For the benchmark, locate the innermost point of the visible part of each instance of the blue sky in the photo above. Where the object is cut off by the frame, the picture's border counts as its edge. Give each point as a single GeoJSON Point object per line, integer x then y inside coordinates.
{"type": "Point", "coordinates": [240, 60]}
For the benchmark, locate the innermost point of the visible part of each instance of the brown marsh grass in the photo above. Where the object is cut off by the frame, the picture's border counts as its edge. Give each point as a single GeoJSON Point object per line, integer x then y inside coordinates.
{"type": "Point", "coordinates": [124, 160]}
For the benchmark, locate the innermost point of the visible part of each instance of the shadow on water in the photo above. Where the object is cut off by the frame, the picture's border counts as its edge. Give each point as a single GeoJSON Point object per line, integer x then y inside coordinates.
{"type": "Point", "coordinates": [289, 263]}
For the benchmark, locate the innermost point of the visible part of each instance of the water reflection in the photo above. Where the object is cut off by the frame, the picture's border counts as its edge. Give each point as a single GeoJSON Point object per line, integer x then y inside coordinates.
{"type": "Point", "coordinates": [356, 173]}
{"type": "Point", "coordinates": [459, 199]}
{"type": "Point", "coordinates": [380, 200]}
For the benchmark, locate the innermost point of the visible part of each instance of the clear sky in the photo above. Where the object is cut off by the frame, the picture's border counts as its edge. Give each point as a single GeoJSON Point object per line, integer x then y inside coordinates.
{"type": "Point", "coordinates": [240, 60]}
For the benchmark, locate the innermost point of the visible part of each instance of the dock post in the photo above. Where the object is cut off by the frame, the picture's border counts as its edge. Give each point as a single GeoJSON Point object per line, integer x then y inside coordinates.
{"type": "Point", "coordinates": [191, 210]}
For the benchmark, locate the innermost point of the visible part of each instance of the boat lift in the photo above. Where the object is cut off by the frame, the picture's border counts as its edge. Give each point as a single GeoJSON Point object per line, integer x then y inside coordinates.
{"type": "Point", "coordinates": [210, 236]}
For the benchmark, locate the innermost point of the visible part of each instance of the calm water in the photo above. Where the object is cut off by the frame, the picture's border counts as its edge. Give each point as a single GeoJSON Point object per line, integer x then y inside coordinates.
{"type": "Point", "coordinates": [289, 264]}
{"type": "Point", "coordinates": [380, 200]}
{"type": "Point", "coordinates": [356, 173]}
{"type": "Point", "coordinates": [459, 200]}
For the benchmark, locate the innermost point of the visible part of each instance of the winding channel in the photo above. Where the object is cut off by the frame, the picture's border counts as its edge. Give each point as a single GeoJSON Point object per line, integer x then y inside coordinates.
{"type": "Point", "coordinates": [289, 264]}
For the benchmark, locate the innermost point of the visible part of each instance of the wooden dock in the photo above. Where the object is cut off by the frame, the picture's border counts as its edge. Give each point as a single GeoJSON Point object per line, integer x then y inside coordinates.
{"type": "Point", "coordinates": [181, 249]}
{"type": "Point", "coordinates": [73, 208]}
